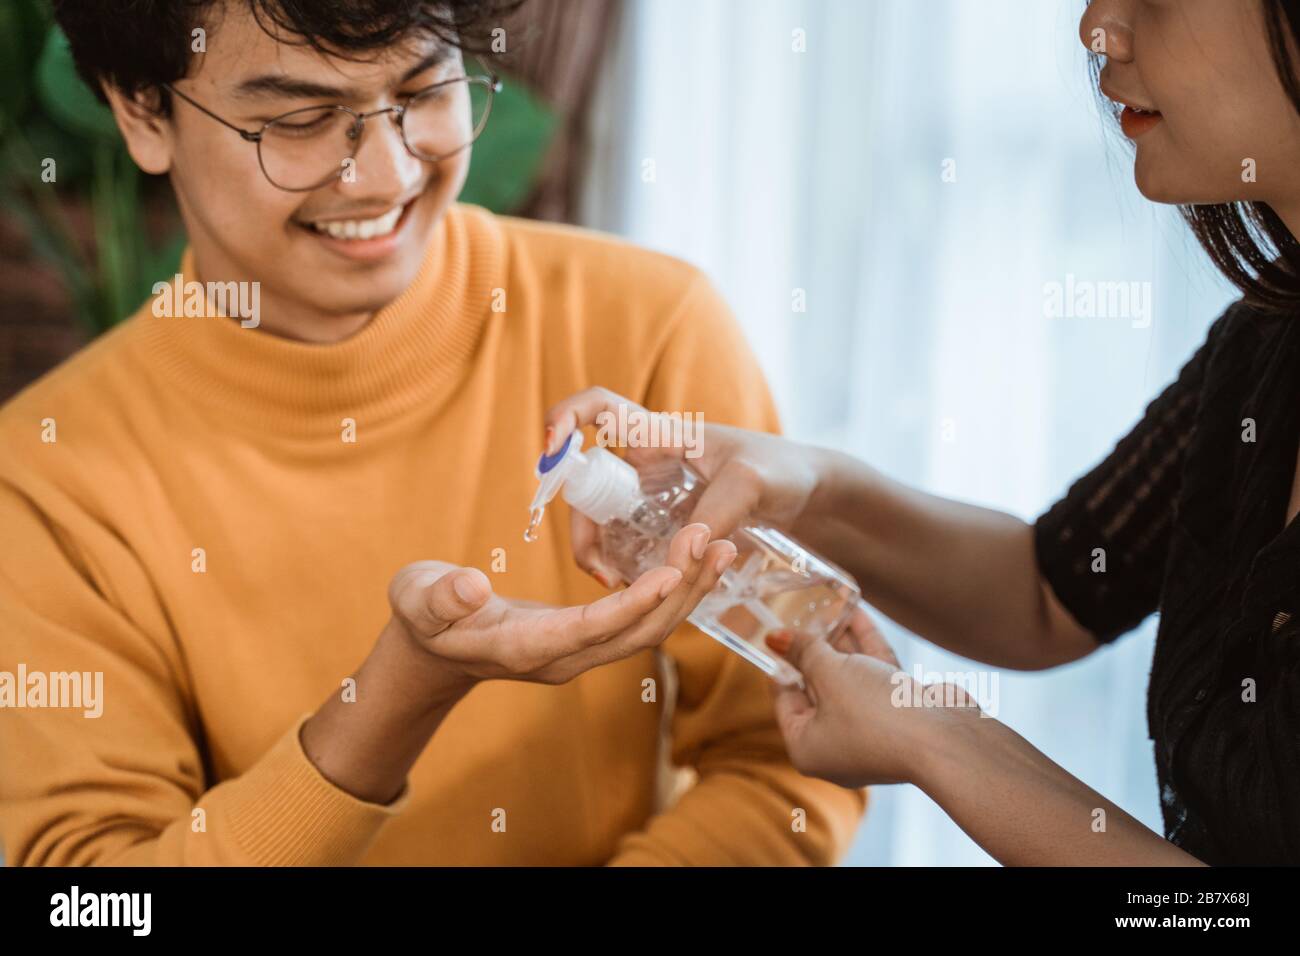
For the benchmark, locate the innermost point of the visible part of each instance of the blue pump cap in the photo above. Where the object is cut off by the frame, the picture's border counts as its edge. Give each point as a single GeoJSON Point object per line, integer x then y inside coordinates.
{"type": "Point", "coordinates": [547, 462]}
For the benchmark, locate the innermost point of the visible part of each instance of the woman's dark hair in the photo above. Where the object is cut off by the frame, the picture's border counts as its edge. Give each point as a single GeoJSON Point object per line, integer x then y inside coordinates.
{"type": "Point", "coordinates": [139, 45]}
{"type": "Point", "coordinates": [1248, 241]}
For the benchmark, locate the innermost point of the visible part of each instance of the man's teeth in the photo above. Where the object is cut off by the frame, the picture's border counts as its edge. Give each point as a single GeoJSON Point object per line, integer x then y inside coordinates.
{"type": "Point", "coordinates": [360, 228]}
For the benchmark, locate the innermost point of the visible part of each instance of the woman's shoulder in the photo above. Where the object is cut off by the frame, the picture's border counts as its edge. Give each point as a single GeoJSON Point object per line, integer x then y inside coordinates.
{"type": "Point", "coordinates": [1244, 351]}
{"type": "Point", "coordinates": [1245, 332]}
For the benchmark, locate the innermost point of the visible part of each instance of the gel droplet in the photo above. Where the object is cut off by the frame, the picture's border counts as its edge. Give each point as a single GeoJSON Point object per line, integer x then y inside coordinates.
{"type": "Point", "coordinates": [534, 522]}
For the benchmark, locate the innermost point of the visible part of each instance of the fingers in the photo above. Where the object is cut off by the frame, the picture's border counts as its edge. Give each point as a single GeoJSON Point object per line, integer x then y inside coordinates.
{"type": "Point", "coordinates": [864, 637]}
{"type": "Point", "coordinates": [656, 626]}
{"type": "Point", "coordinates": [516, 641]}
{"type": "Point", "coordinates": [855, 636]}
{"type": "Point", "coordinates": [702, 564]}
{"type": "Point", "coordinates": [811, 656]}
{"type": "Point", "coordinates": [844, 641]}
{"type": "Point", "coordinates": [731, 496]}
{"type": "Point", "coordinates": [665, 436]}
{"type": "Point", "coordinates": [718, 557]}
{"type": "Point", "coordinates": [700, 575]}
{"type": "Point", "coordinates": [587, 553]}
{"type": "Point", "coordinates": [573, 629]}
{"type": "Point", "coordinates": [557, 645]}
{"type": "Point", "coordinates": [578, 411]}
{"type": "Point", "coordinates": [792, 706]}
{"type": "Point", "coordinates": [432, 595]}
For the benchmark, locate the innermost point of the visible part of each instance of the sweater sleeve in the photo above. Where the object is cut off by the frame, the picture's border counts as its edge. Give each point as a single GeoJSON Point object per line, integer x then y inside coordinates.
{"type": "Point", "coordinates": [749, 806]}
{"type": "Point", "coordinates": [1103, 547]}
{"type": "Point", "coordinates": [119, 779]}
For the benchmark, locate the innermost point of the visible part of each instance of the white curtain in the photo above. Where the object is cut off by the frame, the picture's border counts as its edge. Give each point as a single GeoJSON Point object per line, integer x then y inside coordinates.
{"type": "Point", "coordinates": [920, 172]}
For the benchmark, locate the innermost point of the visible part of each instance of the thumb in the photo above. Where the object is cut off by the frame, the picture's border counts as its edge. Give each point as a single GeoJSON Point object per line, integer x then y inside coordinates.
{"type": "Point", "coordinates": [584, 537]}
{"type": "Point", "coordinates": [813, 657]}
{"type": "Point", "coordinates": [431, 599]}
{"type": "Point", "coordinates": [793, 708]}
{"type": "Point", "coordinates": [731, 496]}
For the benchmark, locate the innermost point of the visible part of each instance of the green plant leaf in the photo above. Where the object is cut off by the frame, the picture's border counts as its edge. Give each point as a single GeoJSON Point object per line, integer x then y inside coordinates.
{"type": "Point", "coordinates": [508, 156]}
{"type": "Point", "coordinates": [65, 97]}
{"type": "Point", "coordinates": [23, 26]}
{"type": "Point", "coordinates": [48, 138]}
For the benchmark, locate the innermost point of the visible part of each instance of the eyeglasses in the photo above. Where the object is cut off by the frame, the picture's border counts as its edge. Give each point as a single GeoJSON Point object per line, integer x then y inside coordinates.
{"type": "Point", "coordinates": [307, 148]}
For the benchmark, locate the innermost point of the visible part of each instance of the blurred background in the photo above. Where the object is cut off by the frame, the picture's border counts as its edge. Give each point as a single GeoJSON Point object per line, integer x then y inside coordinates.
{"type": "Point", "coordinates": [883, 190]}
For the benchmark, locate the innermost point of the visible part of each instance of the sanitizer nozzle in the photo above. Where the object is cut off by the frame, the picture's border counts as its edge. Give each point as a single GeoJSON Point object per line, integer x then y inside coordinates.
{"type": "Point", "coordinates": [596, 482]}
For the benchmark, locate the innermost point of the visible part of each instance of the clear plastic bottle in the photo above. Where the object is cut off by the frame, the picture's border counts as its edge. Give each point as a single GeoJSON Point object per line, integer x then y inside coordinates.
{"type": "Point", "coordinates": [773, 584]}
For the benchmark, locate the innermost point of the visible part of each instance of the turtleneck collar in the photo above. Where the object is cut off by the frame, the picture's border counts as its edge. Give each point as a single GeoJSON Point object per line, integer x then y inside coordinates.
{"type": "Point", "coordinates": [410, 351]}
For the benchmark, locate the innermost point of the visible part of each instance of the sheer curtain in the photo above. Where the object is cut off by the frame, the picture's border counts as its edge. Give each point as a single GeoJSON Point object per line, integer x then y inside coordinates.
{"type": "Point", "coordinates": [890, 193]}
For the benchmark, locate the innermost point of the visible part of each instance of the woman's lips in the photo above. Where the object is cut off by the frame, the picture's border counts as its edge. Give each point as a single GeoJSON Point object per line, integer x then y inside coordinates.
{"type": "Point", "coordinates": [1134, 122]}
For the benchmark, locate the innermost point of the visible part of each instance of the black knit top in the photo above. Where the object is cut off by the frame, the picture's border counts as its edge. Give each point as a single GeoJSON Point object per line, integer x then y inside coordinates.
{"type": "Point", "coordinates": [1187, 516]}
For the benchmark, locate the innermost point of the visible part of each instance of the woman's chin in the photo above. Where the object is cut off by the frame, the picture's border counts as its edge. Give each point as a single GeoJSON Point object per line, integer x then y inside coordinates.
{"type": "Point", "coordinates": [1155, 183]}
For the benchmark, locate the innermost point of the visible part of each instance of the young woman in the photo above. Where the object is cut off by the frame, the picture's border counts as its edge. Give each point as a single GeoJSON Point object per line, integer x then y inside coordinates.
{"type": "Point", "coordinates": [1194, 511]}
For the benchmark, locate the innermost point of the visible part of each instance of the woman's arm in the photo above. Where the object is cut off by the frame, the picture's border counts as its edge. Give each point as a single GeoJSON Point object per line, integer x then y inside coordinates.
{"type": "Point", "coordinates": [990, 587]}
{"type": "Point", "coordinates": [862, 721]}
{"type": "Point", "coordinates": [1022, 808]}
{"type": "Point", "coordinates": [961, 576]}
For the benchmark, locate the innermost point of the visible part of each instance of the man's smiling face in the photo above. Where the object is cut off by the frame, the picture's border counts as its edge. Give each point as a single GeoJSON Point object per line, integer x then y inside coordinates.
{"type": "Point", "coordinates": [319, 279]}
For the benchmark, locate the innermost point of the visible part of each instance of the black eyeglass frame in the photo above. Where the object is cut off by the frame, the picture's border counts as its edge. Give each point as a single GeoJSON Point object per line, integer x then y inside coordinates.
{"type": "Point", "coordinates": [489, 81]}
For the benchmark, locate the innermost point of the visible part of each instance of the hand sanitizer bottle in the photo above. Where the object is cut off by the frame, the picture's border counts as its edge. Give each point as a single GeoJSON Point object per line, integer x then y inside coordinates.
{"type": "Point", "coordinates": [774, 583]}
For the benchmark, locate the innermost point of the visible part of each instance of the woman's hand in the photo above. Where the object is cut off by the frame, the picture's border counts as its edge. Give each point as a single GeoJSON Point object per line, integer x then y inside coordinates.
{"type": "Point", "coordinates": [752, 476]}
{"type": "Point", "coordinates": [855, 722]}
{"type": "Point", "coordinates": [473, 634]}
{"type": "Point", "coordinates": [859, 724]}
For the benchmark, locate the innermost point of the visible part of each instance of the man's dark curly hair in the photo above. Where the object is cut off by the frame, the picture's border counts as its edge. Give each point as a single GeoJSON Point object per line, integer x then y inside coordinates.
{"type": "Point", "coordinates": [138, 45]}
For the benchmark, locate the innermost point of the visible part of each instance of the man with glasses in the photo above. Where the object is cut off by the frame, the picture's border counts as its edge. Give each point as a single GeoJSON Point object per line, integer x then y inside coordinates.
{"type": "Point", "coordinates": [294, 551]}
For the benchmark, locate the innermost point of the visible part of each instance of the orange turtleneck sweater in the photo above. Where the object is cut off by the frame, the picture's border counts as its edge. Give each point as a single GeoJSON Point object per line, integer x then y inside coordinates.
{"type": "Point", "coordinates": [182, 516]}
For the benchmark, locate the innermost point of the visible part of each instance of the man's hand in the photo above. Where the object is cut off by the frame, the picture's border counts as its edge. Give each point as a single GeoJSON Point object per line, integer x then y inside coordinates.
{"type": "Point", "coordinates": [448, 631]}
{"type": "Point", "coordinates": [452, 614]}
